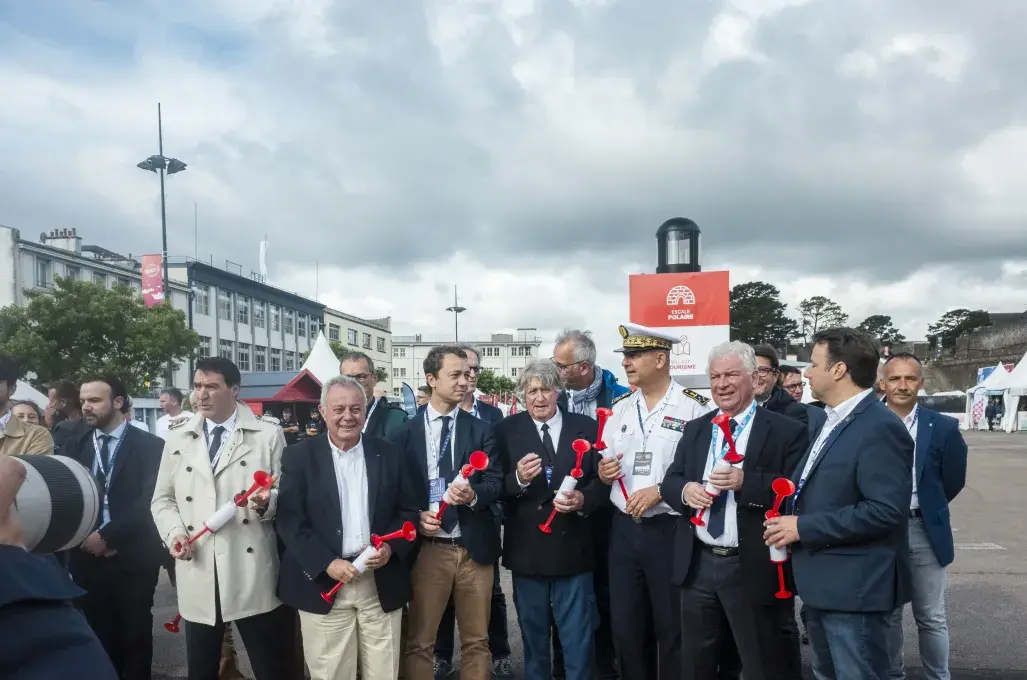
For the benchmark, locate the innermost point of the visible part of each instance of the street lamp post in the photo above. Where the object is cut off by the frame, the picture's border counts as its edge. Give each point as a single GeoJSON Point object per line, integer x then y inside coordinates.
{"type": "Point", "coordinates": [456, 309]}
{"type": "Point", "coordinates": [677, 246]}
{"type": "Point", "coordinates": [161, 165]}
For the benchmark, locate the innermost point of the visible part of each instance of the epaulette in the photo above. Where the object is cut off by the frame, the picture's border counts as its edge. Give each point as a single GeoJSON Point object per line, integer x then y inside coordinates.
{"type": "Point", "coordinates": [695, 395]}
{"type": "Point", "coordinates": [621, 397]}
{"type": "Point", "coordinates": [270, 419]}
{"type": "Point", "coordinates": [177, 424]}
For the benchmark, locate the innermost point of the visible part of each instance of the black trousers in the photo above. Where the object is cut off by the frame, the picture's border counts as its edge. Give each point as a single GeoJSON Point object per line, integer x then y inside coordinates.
{"type": "Point", "coordinates": [118, 605]}
{"type": "Point", "coordinates": [269, 638]}
{"type": "Point", "coordinates": [643, 599]}
{"type": "Point", "coordinates": [499, 635]}
{"type": "Point", "coordinates": [720, 616]}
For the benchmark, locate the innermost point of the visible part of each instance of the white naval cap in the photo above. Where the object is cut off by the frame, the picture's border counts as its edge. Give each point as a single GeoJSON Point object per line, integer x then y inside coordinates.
{"type": "Point", "coordinates": [638, 338]}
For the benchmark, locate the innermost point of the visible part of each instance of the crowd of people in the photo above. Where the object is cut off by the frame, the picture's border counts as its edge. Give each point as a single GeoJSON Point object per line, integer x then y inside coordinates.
{"type": "Point", "coordinates": [643, 525]}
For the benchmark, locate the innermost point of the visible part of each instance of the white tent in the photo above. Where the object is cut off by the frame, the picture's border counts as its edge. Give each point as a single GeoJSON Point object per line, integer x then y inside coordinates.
{"type": "Point", "coordinates": [25, 392]}
{"type": "Point", "coordinates": [322, 362]}
{"type": "Point", "coordinates": [1016, 389]}
{"type": "Point", "coordinates": [977, 396]}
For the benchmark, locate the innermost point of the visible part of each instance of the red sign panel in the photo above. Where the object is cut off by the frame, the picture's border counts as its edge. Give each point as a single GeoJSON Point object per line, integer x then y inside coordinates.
{"type": "Point", "coordinates": [152, 280]}
{"type": "Point", "coordinates": [695, 299]}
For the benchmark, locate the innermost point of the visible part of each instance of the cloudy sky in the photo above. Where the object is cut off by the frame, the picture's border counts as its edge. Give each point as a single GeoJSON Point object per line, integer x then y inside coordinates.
{"type": "Point", "coordinates": [871, 151]}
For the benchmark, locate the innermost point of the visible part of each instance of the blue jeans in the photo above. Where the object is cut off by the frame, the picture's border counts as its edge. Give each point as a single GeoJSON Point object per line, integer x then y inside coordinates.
{"type": "Point", "coordinates": [849, 645]}
{"type": "Point", "coordinates": [572, 603]}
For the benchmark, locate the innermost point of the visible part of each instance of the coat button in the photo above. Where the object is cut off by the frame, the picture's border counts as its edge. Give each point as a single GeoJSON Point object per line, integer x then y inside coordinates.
{"type": "Point", "coordinates": [188, 469]}
{"type": "Point", "coordinates": [189, 528]}
{"type": "Point", "coordinates": [242, 463]}
{"type": "Point", "coordinates": [249, 550]}
{"type": "Point", "coordinates": [245, 520]}
{"type": "Point", "coordinates": [189, 498]}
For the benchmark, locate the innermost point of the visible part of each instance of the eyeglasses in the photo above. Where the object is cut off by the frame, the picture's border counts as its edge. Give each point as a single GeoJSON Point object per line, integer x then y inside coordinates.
{"type": "Point", "coordinates": [564, 367]}
{"type": "Point", "coordinates": [474, 369]}
{"type": "Point", "coordinates": [360, 377]}
{"type": "Point", "coordinates": [796, 386]}
{"type": "Point", "coordinates": [766, 370]}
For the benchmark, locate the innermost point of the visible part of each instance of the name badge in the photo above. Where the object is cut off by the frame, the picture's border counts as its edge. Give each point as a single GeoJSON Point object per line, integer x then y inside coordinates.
{"type": "Point", "coordinates": [549, 474]}
{"type": "Point", "coordinates": [436, 488]}
{"type": "Point", "coordinates": [643, 466]}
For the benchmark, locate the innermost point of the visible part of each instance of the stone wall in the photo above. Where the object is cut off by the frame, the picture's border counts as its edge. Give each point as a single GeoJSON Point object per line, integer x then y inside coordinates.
{"type": "Point", "coordinates": [987, 347]}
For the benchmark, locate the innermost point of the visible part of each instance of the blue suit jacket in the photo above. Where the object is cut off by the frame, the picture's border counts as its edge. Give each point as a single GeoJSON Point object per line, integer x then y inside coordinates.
{"type": "Point", "coordinates": [853, 554]}
{"type": "Point", "coordinates": [940, 476]}
{"type": "Point", "coordinates": [817, 418]}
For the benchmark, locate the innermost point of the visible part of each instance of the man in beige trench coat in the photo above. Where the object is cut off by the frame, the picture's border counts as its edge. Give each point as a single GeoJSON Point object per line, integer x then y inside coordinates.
{"type": "Point", "coordinates": [229, 575]}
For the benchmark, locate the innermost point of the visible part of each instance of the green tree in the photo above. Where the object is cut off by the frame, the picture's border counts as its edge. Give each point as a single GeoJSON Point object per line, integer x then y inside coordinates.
{"type": "Point", "coordinates": [491, 383]}
{"type": "Point", "coordinates": [880, 326]}
{"type": "Point", "coordinates": [758, 315]}
{"type": "Point", "coordinates": [82, 329]}
{"type": "Point", "coordinates": [955, 324]}
{"type": "Point", "coordinates": [819, 312]}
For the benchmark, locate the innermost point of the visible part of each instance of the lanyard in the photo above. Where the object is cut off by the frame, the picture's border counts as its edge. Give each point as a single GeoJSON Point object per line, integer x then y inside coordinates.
{"type": "Point", "coordinates": [98, 463]}
{"type": "Point", "coordinates": [909, 428]}
{"type": "Point", "coordinates": [224, 440]}
{"type": "Point", "coordinates": [715, 441]}
{"type": "Point", "coordinates": [641, 424]}
{"type": "Point", "coordinates": [374, 405]}
{"type": "Point", "coordinates": [431, 438]}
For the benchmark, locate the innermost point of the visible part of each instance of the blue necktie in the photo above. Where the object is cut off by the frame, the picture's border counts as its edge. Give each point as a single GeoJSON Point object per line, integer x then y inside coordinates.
{"type": "Point", "coordinates": [718, 512]}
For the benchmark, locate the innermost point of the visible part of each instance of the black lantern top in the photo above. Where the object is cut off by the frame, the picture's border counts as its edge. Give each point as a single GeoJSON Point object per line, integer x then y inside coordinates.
{"type": "Point", "coordinates": [677, 246]}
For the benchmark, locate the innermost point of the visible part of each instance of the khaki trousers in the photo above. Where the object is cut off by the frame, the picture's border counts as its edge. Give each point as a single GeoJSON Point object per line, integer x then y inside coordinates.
{"type": "Point", "coordinates": [356, 631]}
{"type": "Point", "coordinates": [442, 570]}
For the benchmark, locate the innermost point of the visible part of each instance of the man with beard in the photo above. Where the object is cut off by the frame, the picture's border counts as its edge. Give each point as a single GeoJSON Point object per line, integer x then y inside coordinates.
{"type": "Point", "coordinates": [769, 394]}
{"type": "Point", "coordinates": [119, 562]}
{"type": "Point", "coordinates": [384, 420]}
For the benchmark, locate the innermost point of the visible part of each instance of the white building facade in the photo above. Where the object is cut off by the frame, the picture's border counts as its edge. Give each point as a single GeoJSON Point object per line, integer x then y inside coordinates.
{"type": "Point", "coordinates": [373, 337]}
{"type": "Point", "coordinates": [505, 354]}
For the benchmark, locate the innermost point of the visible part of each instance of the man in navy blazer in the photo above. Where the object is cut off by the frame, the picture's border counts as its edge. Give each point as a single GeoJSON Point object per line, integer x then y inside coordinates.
{"type": "Point", "coordinates": [939, 473]}
{"type": "Point", "coordinates": [848, 527]}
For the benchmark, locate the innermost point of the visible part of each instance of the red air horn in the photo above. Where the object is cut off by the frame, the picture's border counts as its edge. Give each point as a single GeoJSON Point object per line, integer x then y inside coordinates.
{"type": "Point", "coordinates": [407, 532]}
{"type": "Point", "coordinates": [602, 415]}
{"type": "Point", "coordinates": [261, 480]}
{"type": "Point", "coordinates": [581, 447]}
{"type": "Point", "coordinates": [732, 456]}
{"type": "Point", "coordinates": [478, 462]}
{"type": "Point", "coordinates": [172, 625]}
{"type": "Point", "coordinates": [782, 488]}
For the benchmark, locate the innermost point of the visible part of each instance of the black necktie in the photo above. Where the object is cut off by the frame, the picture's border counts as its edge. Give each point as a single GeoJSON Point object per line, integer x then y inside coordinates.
{"type": "Point", "coordinates": [105, 453]}
{"type": "Point", "coordinates": [447, 471]}
{"type": "Point", "coordinates": [215, 442]}
{"type": "Point", "coordinates": [718, 511]}
{"type": "Point", "coordinates": [547, 444]}
{"type": "Point", "coordinates": [102, 473]}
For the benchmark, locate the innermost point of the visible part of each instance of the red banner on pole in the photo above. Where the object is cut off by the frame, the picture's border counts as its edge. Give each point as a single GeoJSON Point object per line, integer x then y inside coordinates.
{"type": "Point", "coordinates": [152, 280]}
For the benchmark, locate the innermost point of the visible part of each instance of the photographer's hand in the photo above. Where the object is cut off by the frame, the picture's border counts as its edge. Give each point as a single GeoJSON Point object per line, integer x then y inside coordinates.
{"type": "Point", "coordinates": [12, 475]}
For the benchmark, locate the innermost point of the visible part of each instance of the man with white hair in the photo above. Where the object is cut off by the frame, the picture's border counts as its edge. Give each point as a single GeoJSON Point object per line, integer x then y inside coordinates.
{"type": "Point", "coordinates": [722, 566]}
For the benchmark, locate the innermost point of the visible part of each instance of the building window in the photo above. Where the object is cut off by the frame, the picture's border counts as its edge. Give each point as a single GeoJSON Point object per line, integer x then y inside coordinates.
{"type": "Point", "coordinates": [333, 332]}
{"type": "Point", "coordinates": [290, 361]}
{"type": "Point", "coordinates": [224, 305]}
{"type": "Point", "coordinates": [313, 327]}
{"type": "Point", "coordinates": [259, 358]}
{"type": "Point", "coordinates": [351, 336]}
{"type": "Point", "coordinates": [399, 373]}
{"type": "Point", "coordinates": [381, 345]}
{"type": "Point", "coordinates": [72, 273]}
{"type": "Point", "coordinates": [201, 297]}
{"type": "Point", "coordinates": [513, 372]}
{"type": "Point", "coordinates": [225, 350]}
{"type": "Point", "coordinates": [203, 351]}
{"type": "Point", "coordinates": [276, 318]}
{"type": "Point", "coordinates": [276, 359]}
{"type": "Point", "coordinates": [301, 325]}
{"type": "Point", "coordinates": [44, 273]}
{"type": "Point", "coordinates": [100, 279]}
{"type": "Point", "coordinates": [400, 352]}
{"type": "Point", "coordinates": [122, 281]}
{"type": "Point", "coordinates": [367, 341]}
{"type": "Point", "coordinates": [242, 310]}
{"type": "Point", "coordinates": [288, 322]}
{"type": "Point", "coordinates": [492, 352]}
{"type": "Point", "coordinates": [259, 313]}
{"type": "Point", "coordinates": [243, 361]}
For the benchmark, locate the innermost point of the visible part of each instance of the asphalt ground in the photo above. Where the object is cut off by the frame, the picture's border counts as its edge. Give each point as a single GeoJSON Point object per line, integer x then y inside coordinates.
{"type": "Point", "coordinates": [987, 593]}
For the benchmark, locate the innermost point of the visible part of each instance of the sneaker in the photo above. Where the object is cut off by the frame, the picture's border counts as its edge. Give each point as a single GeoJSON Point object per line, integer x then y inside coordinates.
{"type": "Point", "coordinates": [442, 669]}
{"type": "Point", "coordinates": [502, 668]}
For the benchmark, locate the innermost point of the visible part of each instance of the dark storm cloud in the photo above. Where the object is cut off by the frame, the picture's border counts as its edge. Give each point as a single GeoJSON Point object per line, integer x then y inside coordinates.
{"type": "Point", "coordinates": [396, 148]}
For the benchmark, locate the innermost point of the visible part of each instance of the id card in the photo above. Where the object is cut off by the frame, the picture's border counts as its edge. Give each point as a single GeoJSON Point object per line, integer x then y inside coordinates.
{"type": "Point", "coordinates": [549, 474]}
{"type": "Point", "coordinates": [436, 488]}
{"type": "Point", "coordinates": [643, 466]}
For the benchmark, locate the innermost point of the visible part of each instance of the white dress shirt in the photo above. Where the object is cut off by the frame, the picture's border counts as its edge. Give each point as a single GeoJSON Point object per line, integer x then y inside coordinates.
{"type": "Point", "coordinates": [728, 539]}
{"type": "Point", "coordinates": [555, 427]}
{"type": "Point", "coordinates": [165, 421]}
{"type": "Point", "coordinates": [116, 436]}
{"type": "Point", "coordinates": [433, 438]}
{"type": "Point", "coordinates": [351, 478]}
{"type": "Point", "coordinates": [208, 431]}
{"type": "Point", "coordinates": [912, 422]}
{"type": "Point", "coordinates": [834, 416]}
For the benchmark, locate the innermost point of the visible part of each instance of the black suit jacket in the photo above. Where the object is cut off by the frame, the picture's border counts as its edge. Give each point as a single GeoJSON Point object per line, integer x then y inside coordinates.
{"type": "Point", "coordinates": [479, 526]}
{"type": "Point", "coordinates": [781, 402]}
{"type": "Point", "coordinates": [488, 412]}
{"type": "Point", "coordinates": [131, 530]}
{"type": "Point", "coordinates": [309, 521]}
{"type": "Point", "coordinates": [775, 446]}
{"type": "Point", "coordinates": [568, 550]}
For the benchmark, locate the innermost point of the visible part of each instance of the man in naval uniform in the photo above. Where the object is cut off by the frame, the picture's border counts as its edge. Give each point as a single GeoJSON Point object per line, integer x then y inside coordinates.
{"type": "Point", "coordinates": [641, 438]}
{"type": "Point", "coordinates": [229, 575]}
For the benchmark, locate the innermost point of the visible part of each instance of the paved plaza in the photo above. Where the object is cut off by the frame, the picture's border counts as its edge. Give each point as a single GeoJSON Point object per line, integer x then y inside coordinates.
{"type": "Point", "coordinates": [987, 596]}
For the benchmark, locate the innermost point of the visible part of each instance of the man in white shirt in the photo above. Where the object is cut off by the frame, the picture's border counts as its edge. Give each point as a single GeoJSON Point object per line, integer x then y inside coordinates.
{"type": "Point", "coordinates": [171, 403]}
